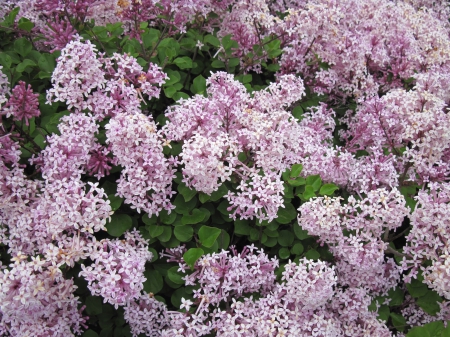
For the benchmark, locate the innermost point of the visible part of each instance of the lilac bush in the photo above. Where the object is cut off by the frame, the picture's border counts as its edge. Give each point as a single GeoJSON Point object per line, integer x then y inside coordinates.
{"type": "Point", "coordinates": [224, 168]}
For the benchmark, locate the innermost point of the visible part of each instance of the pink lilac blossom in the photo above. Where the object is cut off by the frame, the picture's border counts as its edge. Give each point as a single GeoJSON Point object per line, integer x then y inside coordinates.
{"type": "Point", "coordinates": [353, 48]}
{"type": "Point", "coordinates": [429, 238]}
{"type": "Point", "coordinates": [22, 104]}
{"type": "Point", "coordinates": [77, 73]}
{"type": "Point", "coordinates": [58, 34]}
{"type": "Point", "coordinates": [146, 315]}
{"type": "Point", "coordinates": [117, 272]}
{"type": "Point", "coordinates": [125, 84]}
{"type": "Point", "coordinates": [36, 300]}
{"type": "Point", "coordinates": [307, 301]}
{"type": "Point", "coordinates": [414, 128]}
{"type": "Point", "coordinates": [146, 178]}
{"type": "Point", "coordinates": [67, 155]}
{"type": "Point", "coordinates": [360, 254]}
{"type": "Point", "coordinates": [217, 128]}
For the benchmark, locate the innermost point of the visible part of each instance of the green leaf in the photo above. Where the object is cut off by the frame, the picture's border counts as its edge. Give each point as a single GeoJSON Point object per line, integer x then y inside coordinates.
{"type": "Point", "coordinates": [175, 276]}
{"type": "Point", "coordinates": [93, 305]}
{"type": "Point", "coordinates": [284, 253]}
{"type": "Point", "coordinates": [186, 192]}
{"type": "Point", "coordinates": [43, 74]}
{"type": "Point", "coordinates": [150, 38]}
{"type": "Point", "coordinates": [167, 218]}
{"type": "Point", "coordinates": [40, 141]}
{"type": "Point", "coordinates": [297, 181]}
{"type": "Point", "coordinates": [149, 221]}
{"type": "Point", "coordinates": [183, 233]}
{"type": "Point", "coordinates": [196, 216]}
{"type": "Point", "coordinates": [179, 95]}
{"type": "Point", "coordinates": [177, 295]}
{"type": "Point", "coordinates": [155, 230]}
{"type": "Point", "coordinates": [417, 288]}
{"type": "Point", "coordinates": [222, 190]}
{"type": "Point", "coordinates": [25, 24]}
{"type": "Point", "coordinates": [212, 40]}
{"type": "Point", "coordinates": [154, 282]}
{"type": "Point", "coordinates": [223, 240]}
{"type": "Point", "coordinates": [285, 238]}
{"type": "Point", "coordinates": [396, 296]}
{"type": "Point", "coordinates": [166, 234]}
{"type": "Point", "coordinates": [300, 233]}
{"type": "Point", "coordinates": [11, 17]}
{"type": "Point", "coordinates": [297, 249]}
{"type": "Point", "coordinates": [22, 46]}
{"type": "Point", "coordinates": [199, 85]}
{"type": "Point", "coordinates": [89, 333]}
{"type": "Point", "coordinates": [296, 170]}
{"type": "Point", "coordinates": [183, 207]}
{"type": "Point", "coordinates": [119, 224]}
{"type": "Point", "coordinates": [183, 62]}
{"type": "Point", "coordinates": [430, 302]}
{"type": "Point", "coordinates": [217, 64]}
{"type": "Point", "coordinates": [287, 214]}
{"type": "Point", "coordinates": [46, 63]}
{"type": "Point", "coordinates": [208, 235]}
{"type": "Point", "coordinates": [169, 91]}
{"type": "Point", "coordinates": [5, 61]}
{"type": "Point", "coordinates": [22, 66]}
{"type": "Point", "coordinates": [298, 112]}
{"type": "Point", "coordinates": [309, 192]}
{"type": "Point", "coordinates": [203, 197]}
{"type": "Point", "coordinates": [273, 67]}
{"type": "Point", "coordinates": [328, 189]}
{"type": "Point", "coordinates": [398, 321]}
{"type": "Point", "coordinates": [192, 255]}
{"type": "Point", "coordinates": [433, 329]}
{"type": "Point", "coordinates": [315, 181]}
{"type": "Point", "coordinates": [383, 312]}
{"type": "Point", "coordinates": [174, 77]}
{"type": "Point", "coordinates": [115, 201]}
{"type": "Point", "coordinates": [241, 227]}
{"type": "Point", "coordinates": [312, 254]}
{"type": "Point", "coordinates": [446, 331]}
{"type": "Point", "coordinates": [233, 62]}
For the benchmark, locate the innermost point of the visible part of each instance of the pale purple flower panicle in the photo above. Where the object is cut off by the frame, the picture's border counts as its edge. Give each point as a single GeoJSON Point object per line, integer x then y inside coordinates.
{"type": "Point", "coordinates": [117, 272]}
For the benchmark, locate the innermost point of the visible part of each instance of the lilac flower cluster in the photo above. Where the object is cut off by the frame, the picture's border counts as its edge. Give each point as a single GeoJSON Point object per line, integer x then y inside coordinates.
{"type": "Point", "coordinates": [117, 272]}
{"type": "Point", "coordinates": [360, 253]}
{"type": "Point", "coordinates": [22, 104]}
{"type": "Point", "coordinates": [217, 128]}
{"type": "Point", "coordinates": [367, 46]}
{"type": "Point", "coordinates": [36, 300]}
{"type": "Point", "coordinates": [429, 238]}
{"type": "Point", "coordinates": [146, 179]}
{"type": "Point", "coordinates": [307, 301]}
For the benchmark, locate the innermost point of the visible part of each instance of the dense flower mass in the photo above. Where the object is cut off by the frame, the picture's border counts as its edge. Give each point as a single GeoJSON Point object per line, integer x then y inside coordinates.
{"type": "Point", "coordinates": [289, 158]}
{"type": "Point", "coordinates": [117, 270]}
{"type": "Point", "coordinates": [229, 122]}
